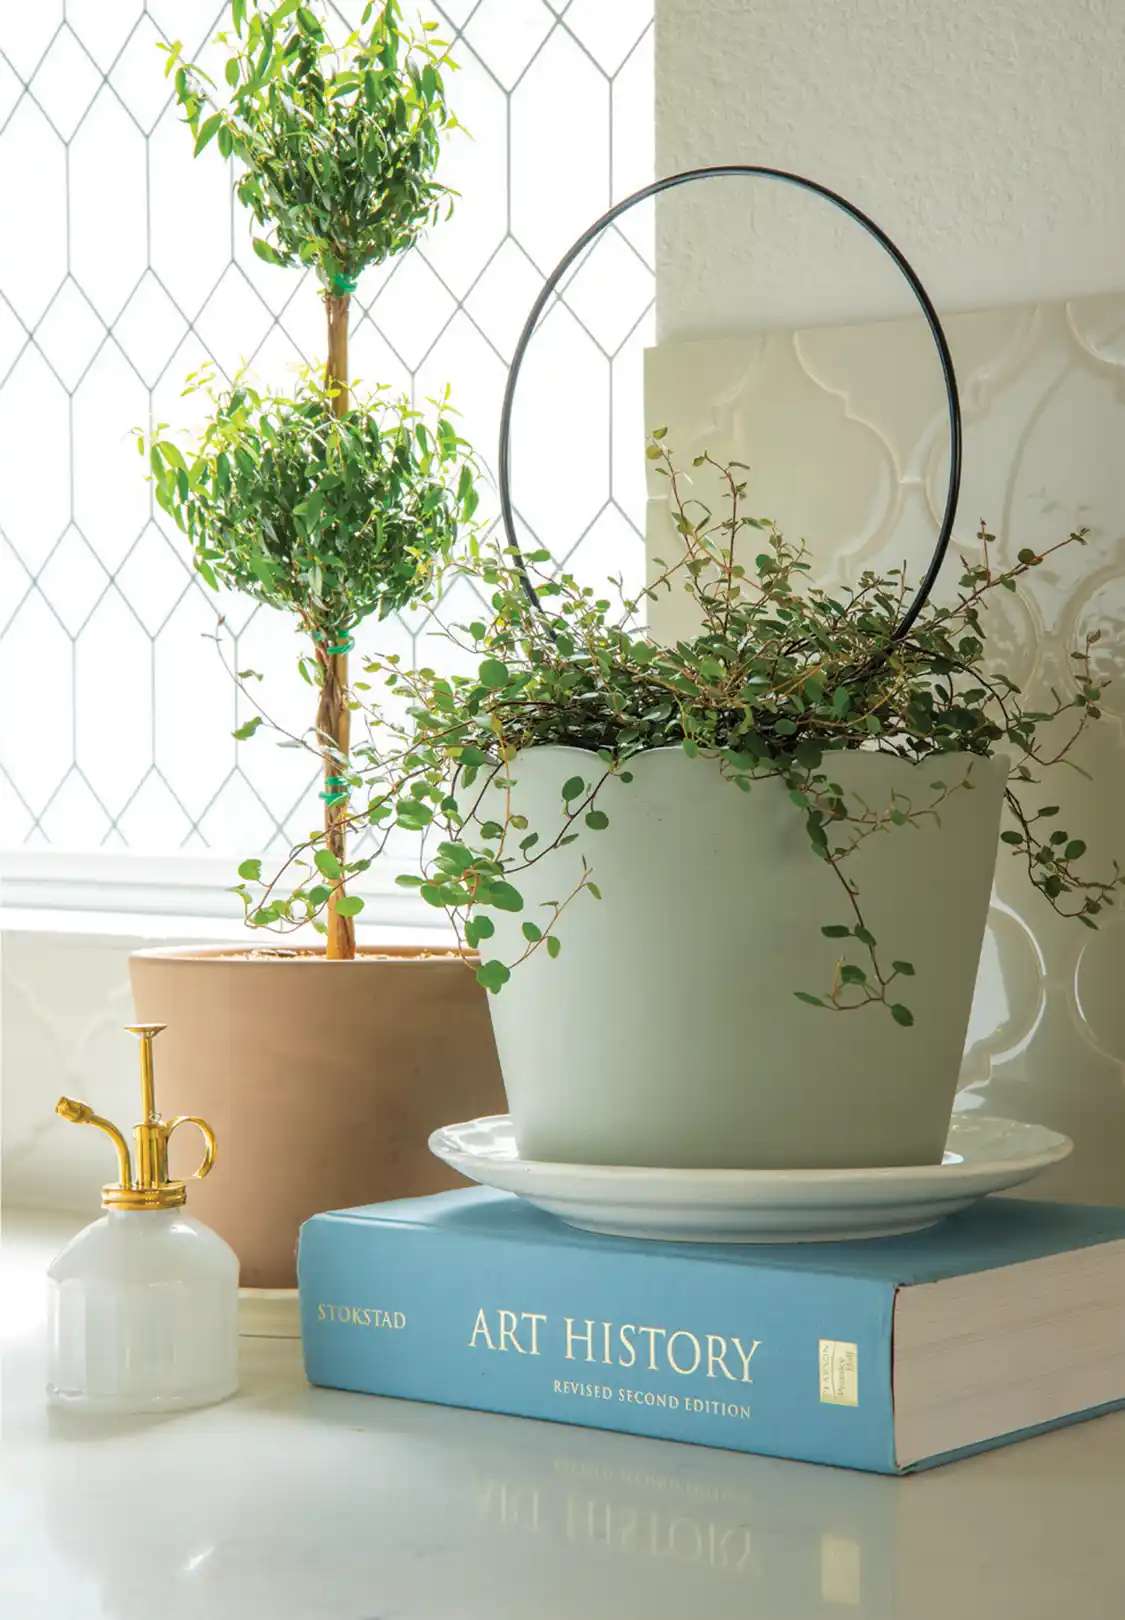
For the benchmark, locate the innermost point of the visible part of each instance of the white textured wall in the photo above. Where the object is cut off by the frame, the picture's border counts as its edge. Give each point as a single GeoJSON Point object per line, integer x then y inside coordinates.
{"type": "Point", "coordinates": [984, 135]}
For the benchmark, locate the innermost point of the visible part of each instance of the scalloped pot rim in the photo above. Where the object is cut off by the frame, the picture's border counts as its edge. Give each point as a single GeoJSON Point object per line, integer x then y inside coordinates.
{"type": "Point", "coordinates": [863, 750]}
{"type": "Point", "coordinates": [674, 751]}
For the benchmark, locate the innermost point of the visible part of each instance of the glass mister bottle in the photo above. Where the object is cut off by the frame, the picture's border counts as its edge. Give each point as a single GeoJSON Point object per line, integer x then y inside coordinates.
{"type": "Point", "coordinates": [143, 1304]}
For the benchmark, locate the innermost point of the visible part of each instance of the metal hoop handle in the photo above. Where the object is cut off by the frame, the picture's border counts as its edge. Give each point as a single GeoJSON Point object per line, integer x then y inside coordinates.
{"type": "Point", "coordinates": [208, 1135]}
{"type": "Point", "coordinates": [909, 274]}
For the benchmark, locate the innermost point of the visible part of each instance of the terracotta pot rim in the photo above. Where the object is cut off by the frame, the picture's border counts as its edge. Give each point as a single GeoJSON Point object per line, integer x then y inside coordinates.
{"type": "Point", "coordinates": [304, 956]}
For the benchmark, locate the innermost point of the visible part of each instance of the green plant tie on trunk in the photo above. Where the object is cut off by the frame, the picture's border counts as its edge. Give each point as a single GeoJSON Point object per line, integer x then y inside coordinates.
{"type": "Point", "coordinates": [336, 788]}
{"type": "Point", "coordinates": [336, 642]}
{"type": "Point", "coordinates": [342, 283]}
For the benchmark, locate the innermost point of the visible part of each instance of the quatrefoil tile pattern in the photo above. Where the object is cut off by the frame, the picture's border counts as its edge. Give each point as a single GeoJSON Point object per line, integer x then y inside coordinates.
{"type": "Point", "coordinates": [844, 431]}
{"type": "Point", "coordinates": [124, 264]}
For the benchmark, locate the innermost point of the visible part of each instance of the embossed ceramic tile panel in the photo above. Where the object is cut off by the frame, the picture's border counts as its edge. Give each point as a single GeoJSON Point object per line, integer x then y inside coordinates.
{"type": "Point", "coordinates": [125, 264]}
{"type": "Point", "coordinates": [65, 999]}
{"type": "Point", "coordinates": [844, 431]}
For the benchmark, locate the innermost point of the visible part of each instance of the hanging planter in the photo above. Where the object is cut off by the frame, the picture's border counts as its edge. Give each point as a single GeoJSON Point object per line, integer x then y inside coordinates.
{"type": "Point", "coordinates": [729, 894]}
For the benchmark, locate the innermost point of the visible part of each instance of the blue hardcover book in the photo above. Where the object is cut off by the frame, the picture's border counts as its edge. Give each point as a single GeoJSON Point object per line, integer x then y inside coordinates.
{"type": "Point", "coordinates": [886, 1355]}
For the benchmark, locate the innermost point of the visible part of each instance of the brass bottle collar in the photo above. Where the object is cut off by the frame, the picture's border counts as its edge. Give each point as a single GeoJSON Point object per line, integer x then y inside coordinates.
{"type": "Point", "coordinates": [149, 1186]}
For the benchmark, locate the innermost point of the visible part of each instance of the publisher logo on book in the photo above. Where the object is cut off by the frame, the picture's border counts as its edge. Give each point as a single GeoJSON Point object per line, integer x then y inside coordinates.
{"type": "Point", "coordinates": [839, 1373]}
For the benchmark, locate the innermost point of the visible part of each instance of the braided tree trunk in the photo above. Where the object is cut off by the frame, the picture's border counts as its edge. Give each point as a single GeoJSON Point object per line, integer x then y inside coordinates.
{"type": "Point", "coordinates": [333, 715]}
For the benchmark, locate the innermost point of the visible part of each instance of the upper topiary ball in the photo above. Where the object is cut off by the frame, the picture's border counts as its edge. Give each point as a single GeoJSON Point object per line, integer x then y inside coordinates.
{"type": "Point", "coordinates": [339, 143]}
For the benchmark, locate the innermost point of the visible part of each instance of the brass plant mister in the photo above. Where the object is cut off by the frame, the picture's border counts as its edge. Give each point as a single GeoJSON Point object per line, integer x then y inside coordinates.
{"type": "Point", "coordinates": [150, 1187]}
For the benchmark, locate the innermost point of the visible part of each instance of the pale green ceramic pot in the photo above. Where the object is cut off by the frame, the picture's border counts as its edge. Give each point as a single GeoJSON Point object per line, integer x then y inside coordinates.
{"type": "Point", "coordinates": [667, 1031]}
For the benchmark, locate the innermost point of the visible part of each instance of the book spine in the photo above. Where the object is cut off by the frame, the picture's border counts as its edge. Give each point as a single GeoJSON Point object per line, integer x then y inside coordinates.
{"type": "Point", "coordinates": [653, 1342]}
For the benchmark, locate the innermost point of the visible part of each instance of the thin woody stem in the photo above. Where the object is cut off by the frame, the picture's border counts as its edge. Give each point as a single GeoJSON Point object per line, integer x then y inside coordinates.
{"type": "Point", "coordinates": [333, 719]}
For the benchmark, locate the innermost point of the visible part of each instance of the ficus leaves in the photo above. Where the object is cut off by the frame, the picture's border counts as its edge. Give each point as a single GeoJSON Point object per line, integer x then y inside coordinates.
{"type": "Point", "coordinates": [331, 518]}
{"type": "Point", "coordinates": [336, 142]}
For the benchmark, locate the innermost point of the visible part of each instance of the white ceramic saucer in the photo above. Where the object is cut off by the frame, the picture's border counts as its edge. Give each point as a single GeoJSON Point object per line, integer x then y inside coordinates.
{"type": "Point", "coordinates": [982, 1155]}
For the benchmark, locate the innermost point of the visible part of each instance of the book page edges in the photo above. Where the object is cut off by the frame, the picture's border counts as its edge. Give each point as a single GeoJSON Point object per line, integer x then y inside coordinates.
{"type": "Point", "coordinates": [998, 1352]}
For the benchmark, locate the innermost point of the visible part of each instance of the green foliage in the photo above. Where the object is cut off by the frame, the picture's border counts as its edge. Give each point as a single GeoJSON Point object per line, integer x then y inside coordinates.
{"type": "Point", "coordinates": [781, 677]}
{"type": "Point", "coordinates": [337, 144]}
{"type": "Point", "coordinates": [309, 502]}
{"type": "Point", "coordinates": [332, 518]}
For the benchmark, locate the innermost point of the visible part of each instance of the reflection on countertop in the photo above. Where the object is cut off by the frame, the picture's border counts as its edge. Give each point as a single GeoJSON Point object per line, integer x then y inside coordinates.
{"type": "Point", "coordinates": [299, 1504]}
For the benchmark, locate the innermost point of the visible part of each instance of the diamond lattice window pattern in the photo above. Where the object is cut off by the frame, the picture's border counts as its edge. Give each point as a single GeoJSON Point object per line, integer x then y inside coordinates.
{"type": "Point", "coordinates": [132, 265]}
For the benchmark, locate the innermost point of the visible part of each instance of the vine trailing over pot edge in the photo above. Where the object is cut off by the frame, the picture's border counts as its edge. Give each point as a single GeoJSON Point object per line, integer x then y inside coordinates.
{"type": "Point", "coordinates": [779, 677]}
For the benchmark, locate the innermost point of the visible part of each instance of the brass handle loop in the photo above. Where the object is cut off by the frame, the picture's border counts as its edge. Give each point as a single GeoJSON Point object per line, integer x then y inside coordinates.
{"type": "Point", "coordinates": [208, 1135]}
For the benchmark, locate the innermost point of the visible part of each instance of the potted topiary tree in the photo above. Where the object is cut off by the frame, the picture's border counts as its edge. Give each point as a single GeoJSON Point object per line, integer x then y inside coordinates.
{"type": "Point", "coordinates": [322, 1071]}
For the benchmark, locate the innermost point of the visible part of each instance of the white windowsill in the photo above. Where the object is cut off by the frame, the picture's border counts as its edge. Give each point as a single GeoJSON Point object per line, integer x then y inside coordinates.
{"type": "Point", "coordinates": [129, 928]}
{"type": "Point", "coordinates": [179, 897]}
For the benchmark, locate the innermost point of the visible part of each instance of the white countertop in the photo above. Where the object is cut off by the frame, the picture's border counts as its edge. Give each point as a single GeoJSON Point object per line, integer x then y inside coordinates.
{"type": "Point", "coordinates": [296, 1504]}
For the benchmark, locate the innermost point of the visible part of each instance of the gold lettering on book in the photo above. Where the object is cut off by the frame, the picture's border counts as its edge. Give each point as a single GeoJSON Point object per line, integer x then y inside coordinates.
{"type": "Point", "coordinates": [372, 1316]}
{"type": "Point", "coordinates": [617, 1344]}
{"type": "Point", "coordinates": [573, 1338]}
{"type": "Point", "coordinates": [509, 1327]}
{"type": "Point", "coordinates": [673, 1363]}
{"type": "Point", "coordinates": [663, 1399]}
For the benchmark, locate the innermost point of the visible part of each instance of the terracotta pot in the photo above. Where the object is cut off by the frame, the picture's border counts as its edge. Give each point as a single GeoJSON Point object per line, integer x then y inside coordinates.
{"type": "Point", "coordinates": [322, 1080]}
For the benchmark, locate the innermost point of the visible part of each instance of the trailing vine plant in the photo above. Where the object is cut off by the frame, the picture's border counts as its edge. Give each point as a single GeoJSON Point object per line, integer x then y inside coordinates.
{"type": "Point", "coordinates": [779, 679]}
{"type": "Point", "coordinates": [332, 508]}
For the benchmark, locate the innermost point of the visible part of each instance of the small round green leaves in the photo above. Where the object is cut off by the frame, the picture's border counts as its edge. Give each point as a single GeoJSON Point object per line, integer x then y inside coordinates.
{"type": "Point", "coordinates": [493, 975]}
{"type": "Point", "coordinates": [493, 673]}
{"type": "Point", "coordinates": [478, 928]}
{"type": "Point", "coordinates": [777, 680]}
{"type": "Point", "coordinates": [501, 895]}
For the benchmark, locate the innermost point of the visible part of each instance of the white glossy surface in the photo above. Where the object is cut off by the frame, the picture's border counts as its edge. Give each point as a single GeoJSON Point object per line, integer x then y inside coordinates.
{"type": "Point", "coordinates": [297, 1504]}
{"type": "Point", "coordinates": [982, 1156]}
{"type": "Point", "coordinates": [142, 1315]}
